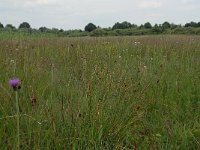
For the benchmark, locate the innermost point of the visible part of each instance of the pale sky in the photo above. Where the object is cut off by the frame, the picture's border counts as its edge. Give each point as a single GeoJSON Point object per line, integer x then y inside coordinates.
{"type": "Point", "coordinates": [75, 14]}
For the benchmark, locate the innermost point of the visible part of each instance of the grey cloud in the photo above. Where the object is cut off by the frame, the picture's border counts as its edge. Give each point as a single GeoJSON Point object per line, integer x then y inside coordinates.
{"type": "Point", "coordinates": [68, 14]}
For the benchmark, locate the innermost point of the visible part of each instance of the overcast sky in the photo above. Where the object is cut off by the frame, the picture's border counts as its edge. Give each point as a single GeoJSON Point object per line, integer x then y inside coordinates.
{"type": "Point", "coordinates": [75, 14]}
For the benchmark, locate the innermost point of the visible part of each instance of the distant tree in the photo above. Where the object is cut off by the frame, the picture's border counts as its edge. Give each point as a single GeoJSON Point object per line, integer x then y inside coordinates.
{"type": "Point", "coordinates": [44, 29]}
{"type": "Point", "coordinates": [166, 25]}
{"type": "Point", "coordinates": [134, 25]}
{"type": "Point", "coordinates": [198, 24]}
{"type": "Point", "coordinates": [10, 26]}
{"type": "Point", "coordinates": [126, 25]}
{"type": "Point", "coordinates": [90, 27]}
{"type": "Point", "coordinates": [54, 30]}
{"type": "Point", "coordinates": [194, 24]}
{"type": "Point", "coordinates": [141, 26]}
{"type": "Point", "coordinates": [191, 24]}
{"type": "Point", "coordinates": [61, 30]}
{"type": "Point", "coordinates": [187, 25]}
{"type": "Point", "coordinates": [123, 25]}
{"type": "Point", "coordinates": [116, 26]}
{"type": "Point", "coordinates": [157, 29]}
{"type": "Point", "coordinates": [24, 25]}
{"type": "Point", "coordinates": [147, 25]}
{"type": "Point", "coordinates": [173, 26]}
{"type": "Point", "coordinates": [156, 25]}
{"type": "Point", "coordinates": [1, 25]}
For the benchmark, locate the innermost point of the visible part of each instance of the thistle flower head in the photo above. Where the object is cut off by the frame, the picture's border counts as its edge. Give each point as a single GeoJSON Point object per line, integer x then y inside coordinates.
{"type": "Point", "coordinates": [14, 83]}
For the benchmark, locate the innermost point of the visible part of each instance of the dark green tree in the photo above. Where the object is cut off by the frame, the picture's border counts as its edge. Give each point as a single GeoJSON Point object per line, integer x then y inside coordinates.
{"type": "Point", "coordinates": [61, 30]}
{"type": "Point", "coordinates": [54, 30]}
{"type": "Point", "coordinates": [141, 26]}
{"type": "Point", "coordinates": [134, 25]}
{"type": "Point", "coordinates": [116, 26]}
{"type": "Point", "coordinates": [187, 25]}
{"type": "Point", "coordinates": [44, 29]}
{"type": "Point", "coordinates": [166, 25]}
{"type": "Point", "coordinates": [10, 26]}
{"type": "Point", "coordinates": [24, 25]}
{"type": "Point", "coordinates": [198, 24]}
{"type": "Point", "coordinates": [123, 25]}
{"type": "Point", "coordinates": [90, 27]}
{"type": "Point", "coordinates": [194, 24]}
{"type": "Point", "coordinates": [126, 25]}
{"type": "Point", "coordinates": [1, 25]}
{"type": "Point", "coordinates": [147, 25]}
{"type": "Point", "coordinates": [191, 24]}
{"type": "Point", "coordinates": [157, 29]}
{"type": "Point", "coordinates": [173, 26]}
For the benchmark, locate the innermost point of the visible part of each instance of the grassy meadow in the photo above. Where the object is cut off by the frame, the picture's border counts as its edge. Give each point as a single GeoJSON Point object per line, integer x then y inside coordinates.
{"type": "Point", "coordinates": [139, 92]}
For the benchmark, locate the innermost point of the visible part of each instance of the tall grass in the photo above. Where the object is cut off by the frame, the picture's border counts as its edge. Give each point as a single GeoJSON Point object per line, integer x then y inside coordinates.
{"type": "Point", "coordinates": [102, 93]}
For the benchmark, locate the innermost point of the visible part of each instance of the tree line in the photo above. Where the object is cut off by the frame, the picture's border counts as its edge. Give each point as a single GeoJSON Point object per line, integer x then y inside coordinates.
{"type": "Point", "coordinates": [119, 28]}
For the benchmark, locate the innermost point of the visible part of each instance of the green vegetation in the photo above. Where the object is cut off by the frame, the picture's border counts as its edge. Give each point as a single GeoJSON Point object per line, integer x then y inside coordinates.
{"type": "Point", "coordinates": [118, 29]}
{"type": "Point", "coordinates": [24, 25]}
{"type": "Point", "coordinates": [101, 93]}
{"type": "Point", "coordinates": [90, 27]}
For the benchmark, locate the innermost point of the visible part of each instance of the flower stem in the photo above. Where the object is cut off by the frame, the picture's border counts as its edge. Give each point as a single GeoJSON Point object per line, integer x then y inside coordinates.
{"type": "Point", "coordinates": [17, 107]}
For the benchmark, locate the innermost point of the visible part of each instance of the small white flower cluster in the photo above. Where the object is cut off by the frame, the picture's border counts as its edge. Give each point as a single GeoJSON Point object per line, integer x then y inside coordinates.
{"type": "Point", "coordinates": [137, 43]}
{"type": "Point", "coordinates": [12, 61]}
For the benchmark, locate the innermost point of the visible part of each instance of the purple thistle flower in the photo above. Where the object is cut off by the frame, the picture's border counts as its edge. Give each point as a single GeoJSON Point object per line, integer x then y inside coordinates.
{"type": "Point", "coordinates": [14, 83]}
